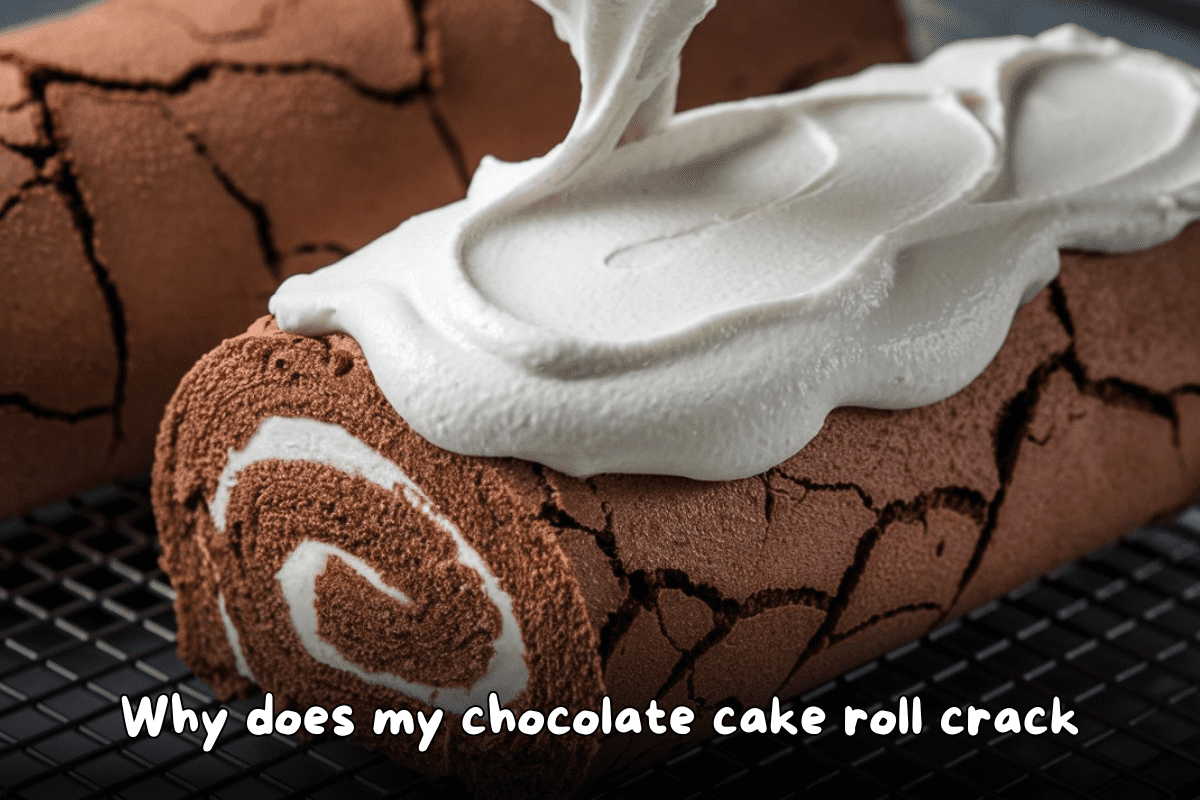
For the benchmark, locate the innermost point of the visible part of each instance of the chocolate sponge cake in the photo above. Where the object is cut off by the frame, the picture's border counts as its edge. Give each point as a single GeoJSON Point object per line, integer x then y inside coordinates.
{"type": "Point", "coordinates": [158, 157]}
{"type": "Point", "coordinates": [645, 588]}
{"type": "Point", "coordinates": [843, 308]}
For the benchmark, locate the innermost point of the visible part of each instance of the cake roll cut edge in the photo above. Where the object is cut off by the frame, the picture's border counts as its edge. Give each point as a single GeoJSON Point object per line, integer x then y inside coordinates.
{"type": "Point", "coordinates": [324, 551]}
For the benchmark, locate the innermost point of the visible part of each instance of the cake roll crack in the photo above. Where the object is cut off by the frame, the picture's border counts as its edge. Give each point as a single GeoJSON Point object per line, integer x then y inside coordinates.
{"type": "Point", "coordinates": [648, 588]}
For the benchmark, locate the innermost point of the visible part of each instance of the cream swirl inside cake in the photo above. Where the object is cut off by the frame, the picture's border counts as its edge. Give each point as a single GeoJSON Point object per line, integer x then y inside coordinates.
{"type": "Point", "coordinates": [692, 294]}
{"type": "Point", "coordinates": [300, 439]}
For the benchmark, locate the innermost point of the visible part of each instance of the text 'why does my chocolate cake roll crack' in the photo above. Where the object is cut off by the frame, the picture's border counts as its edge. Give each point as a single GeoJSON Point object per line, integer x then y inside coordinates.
{"type": "Point", "coordinates": [691, 294]}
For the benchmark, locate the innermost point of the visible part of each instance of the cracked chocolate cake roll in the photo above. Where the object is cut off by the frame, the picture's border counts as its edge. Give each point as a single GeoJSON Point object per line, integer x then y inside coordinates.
{"type": "Point", "coordinates": [422, 563]}
{"type": "Point", "coordinates": [343, 519]}
{"type": "Point", "coordinates": [158, 157]}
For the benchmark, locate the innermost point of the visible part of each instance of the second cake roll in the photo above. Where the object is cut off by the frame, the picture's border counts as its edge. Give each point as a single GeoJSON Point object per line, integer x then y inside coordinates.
{"type": "Point", "coordinates": [156, 158]}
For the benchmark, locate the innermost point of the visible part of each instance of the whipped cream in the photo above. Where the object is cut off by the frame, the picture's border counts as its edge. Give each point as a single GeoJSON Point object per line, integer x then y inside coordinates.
{"type": "Point", "coordinates": [692, 293]}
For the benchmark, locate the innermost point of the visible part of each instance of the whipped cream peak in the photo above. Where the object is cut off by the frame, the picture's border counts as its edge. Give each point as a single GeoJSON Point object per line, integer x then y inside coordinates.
{"type": "Point", "coordinates": [692, 293]}
{"type": "Point", "coordinates": [628, 56]}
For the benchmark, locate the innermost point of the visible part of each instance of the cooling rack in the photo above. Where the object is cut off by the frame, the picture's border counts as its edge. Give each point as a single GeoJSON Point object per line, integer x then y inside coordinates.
{"type": "Point", "coordinates": [86, 617]}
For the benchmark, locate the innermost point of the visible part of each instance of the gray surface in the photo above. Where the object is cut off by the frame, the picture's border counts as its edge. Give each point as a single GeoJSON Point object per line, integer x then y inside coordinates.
{"type": "Point", "coordinates": [19, 12]}
{"type": "Point", "coordinates": [1154, 24]}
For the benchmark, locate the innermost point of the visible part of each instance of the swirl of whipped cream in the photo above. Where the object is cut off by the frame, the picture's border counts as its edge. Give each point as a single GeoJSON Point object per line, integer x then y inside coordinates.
{"type": "Point", "coordinates": [302, 439]}
{"type": "Point", "coordinates": [691, 294]}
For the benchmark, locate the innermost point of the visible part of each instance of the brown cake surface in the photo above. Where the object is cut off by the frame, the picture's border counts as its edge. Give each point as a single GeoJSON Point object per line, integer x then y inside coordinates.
{"type": "Point", "coordinates": [645, 588]}
{"type": "Point", "coordinates": [165, 163]}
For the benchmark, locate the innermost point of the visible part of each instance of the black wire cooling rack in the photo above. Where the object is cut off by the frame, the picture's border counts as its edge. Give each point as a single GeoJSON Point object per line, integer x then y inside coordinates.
{"type": "Point", "coordinates": [86, 617]}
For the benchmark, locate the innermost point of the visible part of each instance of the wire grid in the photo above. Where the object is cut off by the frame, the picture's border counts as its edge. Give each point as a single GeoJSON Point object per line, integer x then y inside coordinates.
{"type": "Point", "coordinates": [86, 617]}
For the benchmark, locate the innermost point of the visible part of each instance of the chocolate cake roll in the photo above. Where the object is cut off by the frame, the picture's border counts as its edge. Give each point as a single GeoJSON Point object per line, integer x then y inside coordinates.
{"type": "Point", "coordinates": [159, 158]}
{"type": "Point", "coordinates": [325, 552]}
{"type": "Point", "coordinates": [713, 295]}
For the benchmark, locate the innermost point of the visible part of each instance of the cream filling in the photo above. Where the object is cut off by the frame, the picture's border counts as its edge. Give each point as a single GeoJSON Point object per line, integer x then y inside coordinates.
{"type": "Point", "coordinates": [299, 439]}
{"type": "Point", "coordinates": [692, 294]}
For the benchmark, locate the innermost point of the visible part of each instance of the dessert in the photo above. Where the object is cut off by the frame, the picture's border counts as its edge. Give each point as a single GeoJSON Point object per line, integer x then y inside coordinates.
{"type": "Point", "coordinates": [325, 548]}
{"type": "Point", "coordinates": [161, 157]}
